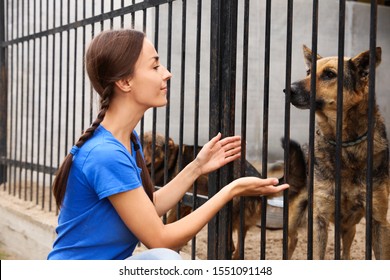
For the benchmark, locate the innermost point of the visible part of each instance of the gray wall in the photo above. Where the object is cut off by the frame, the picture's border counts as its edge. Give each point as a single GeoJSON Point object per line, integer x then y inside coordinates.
{"type": "Point", "coordinates": [356, 41]}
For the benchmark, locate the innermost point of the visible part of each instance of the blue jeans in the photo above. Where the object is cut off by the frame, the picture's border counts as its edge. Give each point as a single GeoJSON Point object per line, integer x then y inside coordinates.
{"type": "Point", "coordinates": [156, 254]}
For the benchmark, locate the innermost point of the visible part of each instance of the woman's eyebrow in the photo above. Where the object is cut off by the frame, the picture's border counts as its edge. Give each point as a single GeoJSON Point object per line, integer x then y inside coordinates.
{"type": "Point", "coordinates": [156, 58]}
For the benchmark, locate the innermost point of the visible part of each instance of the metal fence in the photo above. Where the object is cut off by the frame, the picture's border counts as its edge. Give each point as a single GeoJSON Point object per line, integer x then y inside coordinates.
{"type": "Point", "coordinates": [46, 100]}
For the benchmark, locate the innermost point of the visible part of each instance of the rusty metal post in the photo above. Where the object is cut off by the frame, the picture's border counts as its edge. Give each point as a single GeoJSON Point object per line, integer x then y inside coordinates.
{"type": "Point", "coordinates": [3, 96]}
{"type": "Point", "coordinates": [222, 113]}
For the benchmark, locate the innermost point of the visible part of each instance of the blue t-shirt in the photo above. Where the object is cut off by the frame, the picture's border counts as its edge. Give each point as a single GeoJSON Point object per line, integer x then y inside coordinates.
{"type": "Point", "coordinates": [88, 225]}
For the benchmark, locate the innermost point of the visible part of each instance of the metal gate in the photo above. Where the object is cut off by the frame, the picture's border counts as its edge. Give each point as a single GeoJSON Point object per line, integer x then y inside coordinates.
{"type": "Point", "coordinates": [46, 99]}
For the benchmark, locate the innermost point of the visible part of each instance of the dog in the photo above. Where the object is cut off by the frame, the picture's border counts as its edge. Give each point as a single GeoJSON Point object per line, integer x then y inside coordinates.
{"type": "Point", "coordinates": [252, 210]}
{"type": "Point", "coordinates": [353, 156]}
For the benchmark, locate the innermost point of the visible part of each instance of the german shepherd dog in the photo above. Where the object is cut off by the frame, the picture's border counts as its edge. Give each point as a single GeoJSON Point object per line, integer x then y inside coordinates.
{"type": "Point", "coordinates": [353, 156]}
{"type": "Point", "coordinates": [252, 204]}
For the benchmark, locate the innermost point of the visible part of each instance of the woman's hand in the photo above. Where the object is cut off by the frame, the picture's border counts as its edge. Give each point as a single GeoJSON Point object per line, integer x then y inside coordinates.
{"type": "Point", "coordinates": [253, 186]}
{"type": "Point", "coordinates": [218, 152]}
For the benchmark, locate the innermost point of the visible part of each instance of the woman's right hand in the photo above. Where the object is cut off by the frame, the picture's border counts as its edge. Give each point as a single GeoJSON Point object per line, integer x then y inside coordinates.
{"type": "Point", "coordinates": [254, 186]}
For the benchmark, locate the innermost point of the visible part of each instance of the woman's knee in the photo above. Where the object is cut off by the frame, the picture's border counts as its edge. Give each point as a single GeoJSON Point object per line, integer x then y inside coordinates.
{"type": "Point", "coordinates": [157, 254]}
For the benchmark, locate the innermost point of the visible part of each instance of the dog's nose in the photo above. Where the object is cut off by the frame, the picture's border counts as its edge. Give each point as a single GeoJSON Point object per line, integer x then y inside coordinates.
{"type": "Point", "coordinates": [284, 90]}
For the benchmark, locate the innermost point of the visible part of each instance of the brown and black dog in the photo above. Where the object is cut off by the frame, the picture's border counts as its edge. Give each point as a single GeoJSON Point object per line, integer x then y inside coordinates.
{"type": "Point", "coordinates": [252, 204]}
{"type": "Point", "coordinates": [353, 156]}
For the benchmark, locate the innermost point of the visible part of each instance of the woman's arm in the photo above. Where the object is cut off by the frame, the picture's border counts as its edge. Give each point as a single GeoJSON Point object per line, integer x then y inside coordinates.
{"type": "Point", "coordinates": [215, 154]}
{"type": "Point", "coordinates": [140, 216]}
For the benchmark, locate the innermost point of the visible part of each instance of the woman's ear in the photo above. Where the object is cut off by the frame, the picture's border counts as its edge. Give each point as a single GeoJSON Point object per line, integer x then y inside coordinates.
{"type": "Point", "coordinates": [124, 85]}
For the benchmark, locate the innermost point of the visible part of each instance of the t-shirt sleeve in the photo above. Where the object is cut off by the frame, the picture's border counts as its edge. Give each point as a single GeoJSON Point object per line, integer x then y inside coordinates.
{"type": "Point", "coordinates": [110, 171]}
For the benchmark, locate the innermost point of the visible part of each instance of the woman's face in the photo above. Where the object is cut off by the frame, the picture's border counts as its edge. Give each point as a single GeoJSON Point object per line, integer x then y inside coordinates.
{"type": "Point", "coordinates": [149, 81]}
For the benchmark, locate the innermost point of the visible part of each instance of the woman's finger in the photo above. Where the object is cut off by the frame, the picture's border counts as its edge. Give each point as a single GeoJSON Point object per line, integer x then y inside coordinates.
{"type": "Point", "coordinates": [232, 147]}
{"type": "Point", "coordinates": [230, 139]}
{"type": "Point", "coordinates": [232, 152]}
{"type": "Point", "coordinates": [214, 140]}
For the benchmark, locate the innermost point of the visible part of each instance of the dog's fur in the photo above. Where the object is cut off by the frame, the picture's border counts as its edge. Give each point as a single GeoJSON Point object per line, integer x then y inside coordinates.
{"type": "Point", "coordinates": [252, 204]}
{"type": "Point", "coordinates": [353, 156]}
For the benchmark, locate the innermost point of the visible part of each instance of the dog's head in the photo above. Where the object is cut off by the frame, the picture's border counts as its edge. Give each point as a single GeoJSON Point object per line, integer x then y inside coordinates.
{"type": "Point", "coordinates": [159, 150]}
{"type": "Point", "coordinates": [355, 82]}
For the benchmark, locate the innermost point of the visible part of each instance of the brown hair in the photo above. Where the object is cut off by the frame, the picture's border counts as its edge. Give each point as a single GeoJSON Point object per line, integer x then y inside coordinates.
{"type": "Point", "coordinates": [111, 56]}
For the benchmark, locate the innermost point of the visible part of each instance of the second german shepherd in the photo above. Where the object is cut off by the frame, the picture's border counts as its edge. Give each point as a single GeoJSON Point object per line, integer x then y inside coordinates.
{"type": "Point", "coordinates": [353, 156]}
{"type": "Point", "coordinates": [252, 207]}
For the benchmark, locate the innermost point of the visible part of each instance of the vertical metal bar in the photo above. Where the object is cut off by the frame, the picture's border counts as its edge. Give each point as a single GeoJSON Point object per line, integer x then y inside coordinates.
{"type": "Point", "coordinates": [339, 126]}
{"type": "Point", "coordinates": [182, 90]}
{"type": "Point", "coordinates": [111, 9]}
{"type": "Point", "coordinates": [21, 111]}
{"type": "Point", "coordinates": [312, 130]}
{"type": "Point", "coordinates": [28, 118]}
{"type": "Point", "coordinates": [215, 42]}
{"type": "Point", "coordinates": [83, 117]}
{"type": "Point", "coordinates": [133, 15]}
{"type": "Point", "coordinates": [154, 118]}
{"type": "Point", "coordinates": [11, 89]}
{"type": "Point", "coordinates": [241, 240]}
{"type": "Point", "coordinates": [67, 71]}
{"type": "Point", "coordinates": [60, 95]}
{"type": "Point", "coordinates": [33, 101]}
{"type": "Point", "coordinates": [5, 89]}
{"type": "Point", "coordinates": [168, 106]}
{"type": "Point", "coordinates": [91, 93]}
{"type": "Point", "coordinates": [40, 65]}
{"type": "Point", "coordinates": [287, 123]}
{"type": "Point", "coordinates": [144, 19]}
{"type": "Point", "coordinates": [371, 125]}
{"type": "Point", "coordinates": [3, 95]}
{"type": "Point", "coordinates": [101, 11]}
{"type": "Point", "coordinates": [45, 146]}
{"type": "Point", "coordinates": [53, 96]}
{"type": "Point", "coordinates": [122, 16]}
{"type": "Point", "coordinates": [182, 80]}
{"type": "Point", "coordinates": [196, 107]}
{"type": "Point", "coordinates": [75, 70]}
{"type": "Point", "coordinates": [222, 111]}
{"type": "Point", "coordinates": [17, 82]}
{"type": "Point", "coordinates": [267, 51]}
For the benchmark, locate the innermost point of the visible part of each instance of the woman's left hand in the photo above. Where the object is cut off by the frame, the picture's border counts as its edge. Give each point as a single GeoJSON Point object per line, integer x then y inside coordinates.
{"type": "Point", "coordinates": [218, 152]}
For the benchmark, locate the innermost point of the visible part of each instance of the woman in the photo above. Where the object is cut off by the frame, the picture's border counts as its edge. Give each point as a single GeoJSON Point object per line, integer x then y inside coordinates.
{"type": "Point", "coordinates": [103, 188]}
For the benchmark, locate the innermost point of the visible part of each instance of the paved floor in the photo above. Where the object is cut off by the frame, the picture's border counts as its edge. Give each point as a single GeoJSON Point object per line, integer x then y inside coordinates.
{"type": "Point", "coordinates": [6, 255]}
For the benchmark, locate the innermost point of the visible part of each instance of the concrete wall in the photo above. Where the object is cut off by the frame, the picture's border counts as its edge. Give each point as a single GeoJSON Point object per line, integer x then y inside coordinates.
{"type": "Point", "coordinates": [27, 232]}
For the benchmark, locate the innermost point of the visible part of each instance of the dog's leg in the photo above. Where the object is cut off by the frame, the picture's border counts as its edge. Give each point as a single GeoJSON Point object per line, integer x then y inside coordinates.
{"type": "Point", "coordinates": [380, 226]}
{"type": "Point", "coordinates": [381, 240]}
{"type": "Point", "coordinates": [297, 208]}
{"type": "Point", "coordinates": [347, 235]}
{"type": "Point", "coordinates": [292, 241]}
{"type": "Point", "coordinates": [172, 215]}
{"type": "Point", "coordinates": [320, 232]}
{"type": "Point", "coordinates": [321, 218]}
{"type": "Point", "coordinates": [236, 249]}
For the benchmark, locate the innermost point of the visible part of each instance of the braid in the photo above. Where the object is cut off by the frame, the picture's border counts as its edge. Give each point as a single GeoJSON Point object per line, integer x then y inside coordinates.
{"type": "Point", "coordinates": [61, 179]}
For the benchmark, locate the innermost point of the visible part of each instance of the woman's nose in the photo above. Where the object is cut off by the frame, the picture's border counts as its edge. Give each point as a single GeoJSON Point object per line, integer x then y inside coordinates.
{"type": "Point", "coordinates": [167, 75]}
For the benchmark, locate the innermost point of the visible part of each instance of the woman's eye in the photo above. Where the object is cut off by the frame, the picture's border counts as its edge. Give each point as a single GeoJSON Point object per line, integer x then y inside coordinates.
{"type": "Point", "coordinates": [156, 67]}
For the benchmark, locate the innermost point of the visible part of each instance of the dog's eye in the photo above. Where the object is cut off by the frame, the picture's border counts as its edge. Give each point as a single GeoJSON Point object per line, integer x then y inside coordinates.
{"type": "Point", "coordinates": [328, 75]}
{"type": "Point", "coordinates": [308, 72]}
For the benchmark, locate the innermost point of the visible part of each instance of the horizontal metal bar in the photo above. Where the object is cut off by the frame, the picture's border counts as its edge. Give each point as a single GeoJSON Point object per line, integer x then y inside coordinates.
{"type": "Point", "coordinates": [88, 21]}
{"type": "Point", "coordinates": [28, 165]}
{"type": "Point", "coordinates": [188, 198]}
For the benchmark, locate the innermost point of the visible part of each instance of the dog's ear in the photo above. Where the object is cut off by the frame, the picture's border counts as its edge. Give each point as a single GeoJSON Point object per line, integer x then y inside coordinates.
{"type": "Point", "coordinates": [362, 61]}
{"type": "Point", "coordinates": [307, 53]}
{"type": "Point", "coordinates": [171, 144]}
